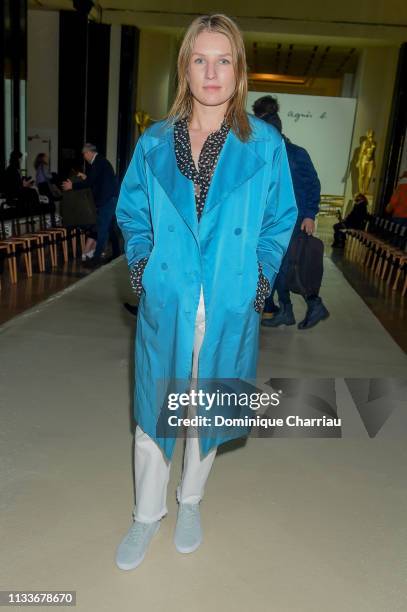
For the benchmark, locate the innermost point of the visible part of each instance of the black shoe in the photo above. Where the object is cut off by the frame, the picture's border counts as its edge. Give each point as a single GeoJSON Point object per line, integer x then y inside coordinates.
{"type": "Point", "coordinates": [284, 316]}
{"type": "Point", "coordinates": [92, 263]}
{"type": "Point", "coordinates": [316, 312]}
{"type": "Point", "coordinates": [132, 309]}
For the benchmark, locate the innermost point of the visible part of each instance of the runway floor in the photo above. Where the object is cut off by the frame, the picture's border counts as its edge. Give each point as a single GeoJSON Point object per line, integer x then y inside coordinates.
{"type": "Point", "coordinates": [291, 525]}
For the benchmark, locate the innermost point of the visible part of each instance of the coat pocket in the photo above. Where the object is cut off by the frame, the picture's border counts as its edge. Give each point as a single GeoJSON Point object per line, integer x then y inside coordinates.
{"type": "Point", "coordinates": [146, 271]}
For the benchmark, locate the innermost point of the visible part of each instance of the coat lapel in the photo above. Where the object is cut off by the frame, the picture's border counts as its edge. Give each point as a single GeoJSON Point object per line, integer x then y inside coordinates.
{"type": "Point", "coordinates": [237, 163]}
{"type": "Point", "coordinates": [178, 187]}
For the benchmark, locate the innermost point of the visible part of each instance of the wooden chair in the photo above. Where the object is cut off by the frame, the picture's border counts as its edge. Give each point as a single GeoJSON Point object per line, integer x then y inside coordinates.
{"type": "Point", "coordinates": [390, 250]}
{"type": "Point", "coordinates": [21, 245]}
{"type": "Point", "coordinates": [74, 233]}
{"type": "Point", "coordinates": [7, 251]}
{"type": "Point", "coordinates": [402, 265]}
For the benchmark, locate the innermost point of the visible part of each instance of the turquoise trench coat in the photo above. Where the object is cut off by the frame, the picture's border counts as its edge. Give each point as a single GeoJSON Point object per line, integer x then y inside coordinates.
{"type": "Point", "coordinates": [249, 215]}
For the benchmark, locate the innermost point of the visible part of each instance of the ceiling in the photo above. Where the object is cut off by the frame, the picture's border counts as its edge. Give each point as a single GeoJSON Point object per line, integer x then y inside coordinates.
{"type": "Point", "coordinates": [317, 61]}
{"type": "Point", "coordinates": [390, 12]}
{"type": "Point", "coordinates": [346, 23]}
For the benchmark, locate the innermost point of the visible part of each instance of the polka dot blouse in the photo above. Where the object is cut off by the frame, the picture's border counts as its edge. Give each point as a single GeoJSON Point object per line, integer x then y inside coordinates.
{"type": "Point", "coordinates": [201, 178]}
{"type": "Point", "coordinates": [208, 158]}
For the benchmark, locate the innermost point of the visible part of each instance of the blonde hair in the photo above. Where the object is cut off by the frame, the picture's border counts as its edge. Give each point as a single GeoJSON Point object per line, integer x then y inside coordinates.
{"type": "Point", "coordinates": [236, 115]}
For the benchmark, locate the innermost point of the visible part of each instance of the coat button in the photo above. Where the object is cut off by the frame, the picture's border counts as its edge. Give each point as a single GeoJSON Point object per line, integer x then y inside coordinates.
{"type": "Point", "coordinates": [238, 230]}
{"type": "Point", "coordinates": [171, 228]}
{"type": "Point", "coordinates": [164, 266]}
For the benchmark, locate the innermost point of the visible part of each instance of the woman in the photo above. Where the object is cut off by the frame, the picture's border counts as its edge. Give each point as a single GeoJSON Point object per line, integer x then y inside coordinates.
{"type": "Point", "coordinates": [207, 206]}
{"type": "Point", "coordinates": [356, 219]}
{"type": "Point", "coordinates": [43, 174]}
{"type": "Point", "coordinates": [44, 181]}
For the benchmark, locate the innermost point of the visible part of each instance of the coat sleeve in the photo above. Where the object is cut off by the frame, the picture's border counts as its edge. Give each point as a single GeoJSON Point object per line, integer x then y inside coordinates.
{"type": "Point", "coordinates": [310, 183]}
{"type": "Point", "coordinates": [90, 181]}
{"type": "Point", "coordinates": [263, 290]}
{"type": "Point", "coordinates": [133, 209]}
{"type": "Point", "coordinates": [279, 218]}
{"type": "Point", "coordinates": [136, 275]}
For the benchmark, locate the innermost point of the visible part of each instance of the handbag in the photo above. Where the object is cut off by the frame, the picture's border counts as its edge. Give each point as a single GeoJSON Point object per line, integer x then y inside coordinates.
{"type": "Point", "coordinates": [305, 267]}
{"type": "Point", "coordinates": [55, 191]}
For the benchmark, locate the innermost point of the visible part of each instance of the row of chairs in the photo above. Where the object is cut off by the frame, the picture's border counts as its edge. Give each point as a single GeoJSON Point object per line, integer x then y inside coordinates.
{"type": "Point", "coordinates": [382, 247]}
{"type": "Point", "coordinates": [19, 239]}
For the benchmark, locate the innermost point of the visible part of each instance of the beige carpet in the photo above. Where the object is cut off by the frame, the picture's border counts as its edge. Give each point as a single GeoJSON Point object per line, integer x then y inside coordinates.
{"type": "Point", "coordinates": [291, 525]}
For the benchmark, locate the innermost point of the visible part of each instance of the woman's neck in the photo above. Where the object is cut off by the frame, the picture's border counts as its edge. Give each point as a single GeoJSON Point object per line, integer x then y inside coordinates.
{"type": "Point", "coordinates": [207, 118]}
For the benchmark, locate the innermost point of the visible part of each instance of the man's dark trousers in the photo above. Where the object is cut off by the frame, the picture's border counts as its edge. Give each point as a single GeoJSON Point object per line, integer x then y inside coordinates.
{"type": "Point", "coordinates": [280, 283]}
{"type": "Point", "coordinates": [106, 228]}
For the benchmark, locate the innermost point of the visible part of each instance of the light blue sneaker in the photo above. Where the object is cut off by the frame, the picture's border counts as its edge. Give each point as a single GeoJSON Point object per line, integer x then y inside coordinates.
{"type": "Point", "coordinates": [132, 549]}
{"type": "Point", "coordinates": [188, 531]}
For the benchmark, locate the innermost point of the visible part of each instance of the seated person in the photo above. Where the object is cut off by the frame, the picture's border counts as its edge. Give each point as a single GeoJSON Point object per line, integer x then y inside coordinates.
{"type": "Point", "coordinates": [45, 181]}
{"type": "Point", "coordinates": [397, 207]}
{"type": "Point", "coordinates": [17, 189]}
{"type": "Point", "coordinates": [356, 219]}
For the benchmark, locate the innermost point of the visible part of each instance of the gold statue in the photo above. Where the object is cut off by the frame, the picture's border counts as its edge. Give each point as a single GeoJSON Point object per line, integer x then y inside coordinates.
{"type": "Point", "coordinates": [366, 162]}
{"type": "Point", "coordinates": [142, 119]}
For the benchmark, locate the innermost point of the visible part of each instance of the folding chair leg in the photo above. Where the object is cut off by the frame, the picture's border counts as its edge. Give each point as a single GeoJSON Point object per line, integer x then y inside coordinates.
{"type": "Point", "coordinates": [397, 278]}
{"type": "Point", "coordinates": [378, 267]}
{"type": "Point", "coordinates": [385, 267]}
{"type": "Point", "coordinates": [27, 265]}
{"type": "Point", "coordinates": [15, 265]}
{"type": "Point", "coordinates": [65, 248]}
{"type": "Point", "coordinates": [12, 266]}
{"type": "Point", "coordinates": [52, 253]}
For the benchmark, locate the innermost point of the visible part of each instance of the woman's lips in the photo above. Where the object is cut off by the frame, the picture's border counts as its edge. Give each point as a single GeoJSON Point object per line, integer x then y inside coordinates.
{"type": "Point", "coordinates": [211, 87]}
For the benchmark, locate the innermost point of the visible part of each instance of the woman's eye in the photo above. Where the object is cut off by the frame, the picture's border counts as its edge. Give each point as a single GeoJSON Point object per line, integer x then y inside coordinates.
{"type": "Point", "coordinates": [225, 61]}
{"type": "Point", "coordinates": [198, 60]}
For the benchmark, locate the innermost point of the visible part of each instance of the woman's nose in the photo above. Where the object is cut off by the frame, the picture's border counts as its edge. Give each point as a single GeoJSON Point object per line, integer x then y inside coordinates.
{"type": "Point", "coordinates": [210, 72]}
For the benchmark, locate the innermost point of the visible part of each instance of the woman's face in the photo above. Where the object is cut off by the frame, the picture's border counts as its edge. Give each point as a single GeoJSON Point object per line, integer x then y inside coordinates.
{"type": "Point", "coordinates": [211, 75]}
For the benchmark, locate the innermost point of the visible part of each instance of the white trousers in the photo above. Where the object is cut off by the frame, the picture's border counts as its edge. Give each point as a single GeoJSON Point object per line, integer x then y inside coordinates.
{"type": "Point", "coordinates": [152, 469]}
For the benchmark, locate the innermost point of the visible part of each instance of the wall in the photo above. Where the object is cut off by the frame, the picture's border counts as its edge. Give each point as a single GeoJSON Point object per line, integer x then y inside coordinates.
{"type": "Point", "coordinates": [156, 58]}
{"type": "Point", "coordinates": [323, 126]}
{"type": "Point", "coordinates": [313, 87]}
{"type": "Point", "coordinates": [374, 90]}
{"type": "Point", "coordinates": [113, 105]}
{"type": "Point", "coordinates": [42, 85]}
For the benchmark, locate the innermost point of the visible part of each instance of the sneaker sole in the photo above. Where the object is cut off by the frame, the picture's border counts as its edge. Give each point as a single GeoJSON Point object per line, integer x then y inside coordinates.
{"type": "Point", "coordinates": [130, 566]}
{"type": "Point", "coordinates": [188, 549]}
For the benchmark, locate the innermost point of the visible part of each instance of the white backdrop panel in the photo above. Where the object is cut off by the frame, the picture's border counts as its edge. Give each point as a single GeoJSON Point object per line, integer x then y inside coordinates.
{"type": "Point", "coordinates": [322, 125]}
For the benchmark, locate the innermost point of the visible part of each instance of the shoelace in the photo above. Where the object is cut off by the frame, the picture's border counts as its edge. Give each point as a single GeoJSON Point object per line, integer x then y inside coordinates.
{"type": "Point", "coordinates": [189, 515]}
{"type": "Point", "coordinates": [137, 530]}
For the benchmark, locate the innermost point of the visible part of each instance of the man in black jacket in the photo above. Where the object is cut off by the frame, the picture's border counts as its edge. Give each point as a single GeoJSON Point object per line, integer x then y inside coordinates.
{"type": "Point", "coordinates": [307, 194]}
{"type": "Point", "coordinates": [103, 183]}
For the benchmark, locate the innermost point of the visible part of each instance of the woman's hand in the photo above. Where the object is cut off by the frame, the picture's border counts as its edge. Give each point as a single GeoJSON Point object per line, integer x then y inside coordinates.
{"type": "Point", "coordinates": [82, 176]}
